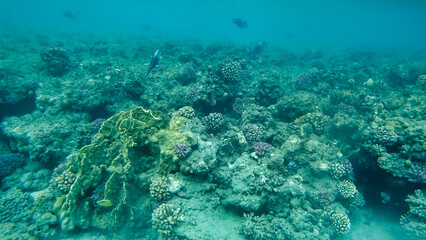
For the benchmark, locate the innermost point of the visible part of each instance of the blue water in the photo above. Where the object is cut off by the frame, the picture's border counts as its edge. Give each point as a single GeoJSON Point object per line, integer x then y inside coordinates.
{"type": "Point", "coordinates": [303, 24]}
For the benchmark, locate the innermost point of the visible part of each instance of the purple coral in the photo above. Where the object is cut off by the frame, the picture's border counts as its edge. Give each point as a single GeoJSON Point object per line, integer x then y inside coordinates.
{"type": "Point", "coordinates": [261, 147]}
{"type": "Point", "coordinates": [181, 151]}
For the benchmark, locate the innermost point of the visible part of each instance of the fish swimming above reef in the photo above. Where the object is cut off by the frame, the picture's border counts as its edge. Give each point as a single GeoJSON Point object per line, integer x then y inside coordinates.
{"type": "Point", "coordinates": [154, 61]}
{"type": "Point", "coordinates": [240, 23]}
{"type": "Point", "coordinates": [69, 14]}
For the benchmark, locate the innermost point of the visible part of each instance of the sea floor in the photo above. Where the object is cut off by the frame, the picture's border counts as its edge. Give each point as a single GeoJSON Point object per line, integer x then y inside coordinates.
{"type": "Point", "coordinates": [219, 141]}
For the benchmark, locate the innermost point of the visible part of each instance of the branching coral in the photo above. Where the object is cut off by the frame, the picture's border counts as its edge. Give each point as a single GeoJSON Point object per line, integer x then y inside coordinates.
{"type": "Point", "coordinates": [165, 218]}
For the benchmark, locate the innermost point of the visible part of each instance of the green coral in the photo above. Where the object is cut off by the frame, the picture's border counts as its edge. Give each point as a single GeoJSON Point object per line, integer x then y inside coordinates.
{"type": "Point", "coordinates": [127, 145]}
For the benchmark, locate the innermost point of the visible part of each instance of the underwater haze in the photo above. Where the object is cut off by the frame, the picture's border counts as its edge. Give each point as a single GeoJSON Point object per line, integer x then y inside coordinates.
{"type": "Point", "coordinates": [324, 23]}
{"type": "Point", "coordinates": [236, 120]}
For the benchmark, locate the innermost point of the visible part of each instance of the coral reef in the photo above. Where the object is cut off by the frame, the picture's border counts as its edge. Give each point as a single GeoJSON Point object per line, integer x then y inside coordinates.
{"type": "Point", "coordinates": [261, 147]}
{"type": "Point", "coordinates": [56, 61]}
{"type": "Point", "coordinates": [414, 221]}
{"type": "Point", "coordinates": [186, 111]}
{"type": "Point", "coordinates": [123, 149]}
{"type": "Point", "coordinates": [229, 70]}
{"type": "Point", "coordinates": [16, 206]}
{"type": "Point", "coordinates": [279, 144]}
{"type": "Point", "coordinates": [304, 81]}
{"type": "Point", "coordinates": [164, 218]}
{"type": "Point", "coordinates": [253, 132]}
{"type": "Point", "coordinates": [10, 162]}
{"type": "Point", "coordinates": [341, 223]}
{"type": "Point", "coordinates": [181, 151]}
{"type": "Point", "coordinates": [214, 122]}
{"type": "Point", "coordinates": [47, 139]}
{"type": "Point", "coordinates": [159, 189]}
{"type": "Point", "coordinates": [63, 178]}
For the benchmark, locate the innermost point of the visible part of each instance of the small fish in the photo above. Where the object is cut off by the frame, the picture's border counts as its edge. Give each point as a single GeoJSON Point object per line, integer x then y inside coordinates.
{"type": "Point", "coordinates": [104, 203]}
{"type": "Point", "coordinates": [154, 61]}
{"type": "Point", "coordinates": [240, 23]}
{"type": "Point", "coordinates": [69, 14]}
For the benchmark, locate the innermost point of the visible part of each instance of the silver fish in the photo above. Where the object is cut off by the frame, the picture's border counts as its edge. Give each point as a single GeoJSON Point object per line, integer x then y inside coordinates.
{"type": "Point", "coordinates": [154, 61]}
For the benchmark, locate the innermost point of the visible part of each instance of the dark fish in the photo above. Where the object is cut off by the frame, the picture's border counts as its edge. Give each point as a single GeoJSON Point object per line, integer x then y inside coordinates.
{"type": "Point", "coordinates": [154, 61]}
{"type": "Point", "coordinates": [240, 23]}
{"type": "Point", "coordinates": [69, 14]}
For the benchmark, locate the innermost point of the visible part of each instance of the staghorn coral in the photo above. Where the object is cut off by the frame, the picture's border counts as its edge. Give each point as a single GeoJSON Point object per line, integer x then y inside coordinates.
{"type": "Point", "coordinates": [165, 218]}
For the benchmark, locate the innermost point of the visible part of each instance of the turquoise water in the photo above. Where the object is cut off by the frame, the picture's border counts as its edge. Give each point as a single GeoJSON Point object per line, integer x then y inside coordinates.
{"type": "Point", "coordinates": [302, 24]}
{"type": "Point", "coordinates": [213, 120]}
